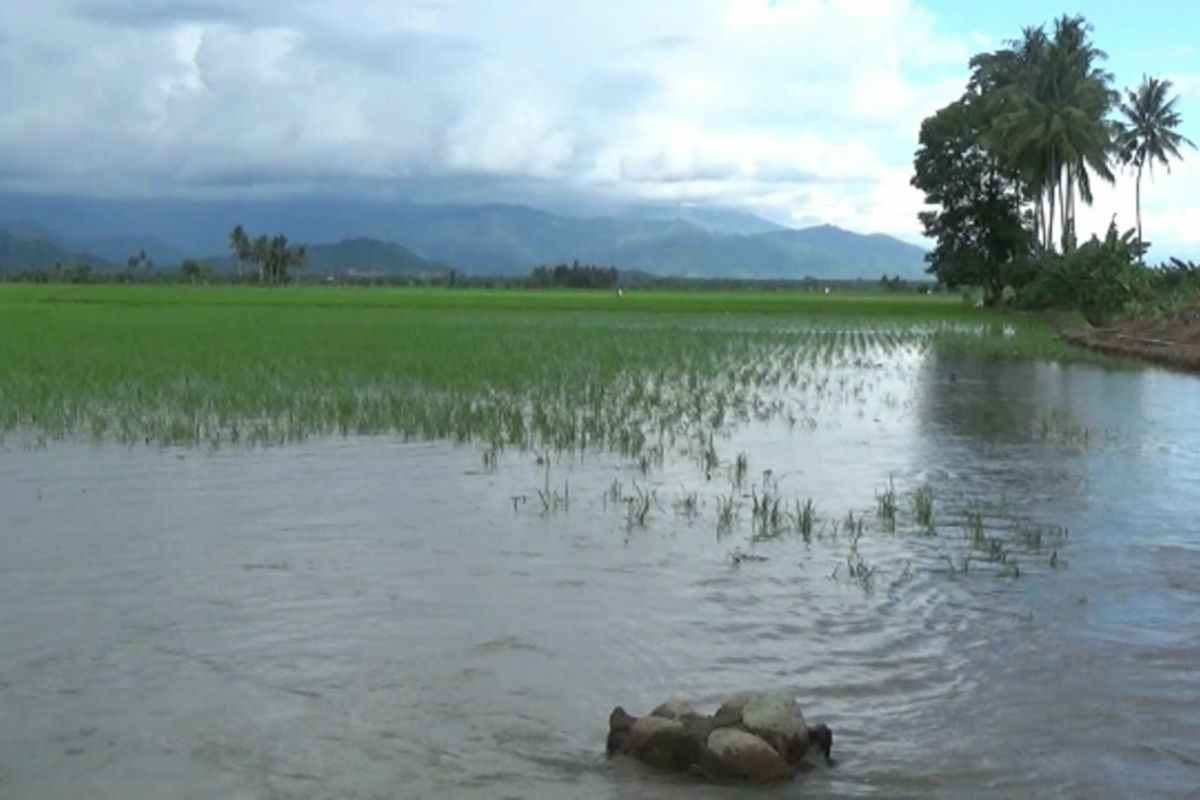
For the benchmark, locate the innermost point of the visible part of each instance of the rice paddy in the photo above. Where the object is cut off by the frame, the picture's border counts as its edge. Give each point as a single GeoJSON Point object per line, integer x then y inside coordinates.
{"type": "Point", "coordinates": [654, 379]}
{"type": "Point", "coordinates": [348, 511]}
{"type": "Point", "coordinates": [555, 371]}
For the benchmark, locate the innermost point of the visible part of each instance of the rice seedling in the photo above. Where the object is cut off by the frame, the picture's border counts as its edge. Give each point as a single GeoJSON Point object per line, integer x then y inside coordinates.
{"type": "Point", "coordinates": [886, 505]}
{"type": "Point", "coordinates": [740, 466]}
{"type": "Point", "coordinates": [553, 500]}
{"type": "Point", "coordinates": [806, 517]}
{"type": "Point", "coordinates": [709, 460]}
{"type": "Point", "coordinates": [726, 514]}
{"type": "Point", "coordinates": [688, 506]}
{"type": "Point", "coordinates": [766, 512]}
{"type": "Point", "coordinates": [159, 365]}
{"type": "Point", "coordinates": [637, 508]}
{"type": "Point", "coordinates": [922, 502]}
{"type": "Point", "coordinates": [1031, 537]}
{"type": "Point", "coordinates": [857, 568]}
{"type": "Point", "coordinates": [973, 525]}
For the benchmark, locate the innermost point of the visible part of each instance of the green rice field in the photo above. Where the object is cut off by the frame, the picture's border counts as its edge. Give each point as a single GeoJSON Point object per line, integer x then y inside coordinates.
{"type": "Point", "coordinates": [562, 370]}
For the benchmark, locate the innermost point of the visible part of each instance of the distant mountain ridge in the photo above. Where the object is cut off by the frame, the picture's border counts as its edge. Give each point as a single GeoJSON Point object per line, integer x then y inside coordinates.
{"type": "Point", "coordinates": [412, 239]}
{"type": "Point", "coordinates": [19, 254]}
{"type": "Point", "coordinates": [371, 257]}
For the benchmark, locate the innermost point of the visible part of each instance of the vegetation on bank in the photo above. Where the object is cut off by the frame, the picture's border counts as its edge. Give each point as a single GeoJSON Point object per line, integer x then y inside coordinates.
{"type": "Point", "coordinates": [1006, 165]}
{"type": "Point", "coordinates": [573, 370]}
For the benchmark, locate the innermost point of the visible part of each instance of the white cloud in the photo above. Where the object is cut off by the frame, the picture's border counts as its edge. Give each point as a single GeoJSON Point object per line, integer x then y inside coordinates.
{"type": "Point", "coordinates": [802, 109]}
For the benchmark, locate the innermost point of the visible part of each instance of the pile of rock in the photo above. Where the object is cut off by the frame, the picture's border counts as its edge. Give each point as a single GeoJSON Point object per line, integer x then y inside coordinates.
{"type": "Point", "coordinates": [755, 737]}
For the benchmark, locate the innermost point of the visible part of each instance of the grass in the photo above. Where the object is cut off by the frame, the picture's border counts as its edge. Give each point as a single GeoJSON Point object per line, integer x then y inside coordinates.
{"type": "Point", "coordinates": [553, 370]}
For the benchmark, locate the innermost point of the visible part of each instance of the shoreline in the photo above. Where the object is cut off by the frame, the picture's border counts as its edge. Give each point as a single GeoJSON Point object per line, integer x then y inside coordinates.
{"type": "Point", "coordinates": [1163, 352]}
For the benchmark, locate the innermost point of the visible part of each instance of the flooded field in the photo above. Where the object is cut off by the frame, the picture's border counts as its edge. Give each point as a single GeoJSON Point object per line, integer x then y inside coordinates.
{"type": "Point", "coordinates": [980, 572]}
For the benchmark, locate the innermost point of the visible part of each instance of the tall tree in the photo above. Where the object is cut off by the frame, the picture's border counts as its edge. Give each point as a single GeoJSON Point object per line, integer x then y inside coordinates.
{"type": "Point", "coordinates": [1049, 99]}
{"type": "Point", "coordinates": [240, 244]}
{"type": "Point", "coordinates": [977, 224]}
{"type": "Point", "coordinates": [274, 256]}
{"type": "Point", "coordinates": [1148, 134]}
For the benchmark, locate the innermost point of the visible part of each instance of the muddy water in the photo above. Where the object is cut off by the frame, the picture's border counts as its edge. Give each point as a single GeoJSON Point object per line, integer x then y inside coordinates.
{"type": "Point", "coordinates": [374, 618]}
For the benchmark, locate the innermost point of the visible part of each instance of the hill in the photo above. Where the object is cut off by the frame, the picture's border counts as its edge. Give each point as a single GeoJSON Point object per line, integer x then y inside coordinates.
{"type": "Point", "coordinates": [118, 248]}
{"type": "Point", "coordinates": [18, 255]}
{"type": "Point", "coordinates": [368, 258]}
{"type": "Point", "coordinates": [491, 239]}
{"type": "Point", "coordinates": [713, 220]}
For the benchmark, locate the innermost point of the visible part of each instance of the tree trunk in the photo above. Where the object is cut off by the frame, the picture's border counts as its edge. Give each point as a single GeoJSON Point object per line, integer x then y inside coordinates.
{"type": "Point", "coordinates": [1141, 255]}
{"type": "Point", "coordinates": [1068, 233]}
{"type": "Point", "coordinates": [1037, 218]}
{"type": "Point", "coordinates": [1051, 194]}
{"type": "Point", "coordinates": [1062, 209]}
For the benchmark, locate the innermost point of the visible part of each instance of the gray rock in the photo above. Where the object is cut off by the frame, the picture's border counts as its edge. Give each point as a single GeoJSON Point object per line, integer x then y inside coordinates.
{"type": "Point", "coordinates": [674, 709]}
{"type": "Point", "coordinates": [732, 707]}
{"type": "Point", "coordinates": [740, 754]}
{"type": "Point", "coordinates": [774, 717]}
{"type": "Point", "coordinates": [758, 737]}
{"type": "Point", "coordinates": [646, 727]}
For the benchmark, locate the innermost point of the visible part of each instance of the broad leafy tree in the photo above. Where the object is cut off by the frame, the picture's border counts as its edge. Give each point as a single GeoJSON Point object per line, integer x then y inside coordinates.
{"type": "Point", "coordinates": [977, 222]}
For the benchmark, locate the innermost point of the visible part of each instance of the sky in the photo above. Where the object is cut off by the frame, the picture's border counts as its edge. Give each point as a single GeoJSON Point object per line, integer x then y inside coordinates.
{"type": "Point", "coordinates": [802, 111]}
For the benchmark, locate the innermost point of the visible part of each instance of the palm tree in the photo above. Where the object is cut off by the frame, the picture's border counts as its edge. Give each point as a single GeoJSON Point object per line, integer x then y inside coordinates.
{"type": "Point", "coordinates": [1149, 134]}
{"type": "Point", "coordinates": [260, 253]}
{"type": "Point", "coordinates": [1049, 101]}
{"type": "Point", "coordinates": [240, 243]}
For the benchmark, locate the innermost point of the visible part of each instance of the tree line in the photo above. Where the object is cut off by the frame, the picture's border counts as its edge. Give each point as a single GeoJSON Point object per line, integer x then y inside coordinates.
{"type": "Point", "coordinates": [576, 276]}
{"type": "Point", "coordinates": [1006, 165]}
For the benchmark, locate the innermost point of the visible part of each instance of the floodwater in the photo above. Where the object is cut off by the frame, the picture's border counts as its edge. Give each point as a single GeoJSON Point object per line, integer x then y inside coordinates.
{"type": "Point", "coordinates": [367, 617]}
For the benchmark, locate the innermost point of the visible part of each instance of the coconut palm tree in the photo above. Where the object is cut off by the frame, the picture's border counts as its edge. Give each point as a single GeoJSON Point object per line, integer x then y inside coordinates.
{"type": "Point", "coordinates": [1148, 133]}
{"type": "Point", "coordinates": [260, 253]}
{"type": "Point", "coordinates": [1049, 100]}
{"type": "Point", "coordinates": [240, 244]}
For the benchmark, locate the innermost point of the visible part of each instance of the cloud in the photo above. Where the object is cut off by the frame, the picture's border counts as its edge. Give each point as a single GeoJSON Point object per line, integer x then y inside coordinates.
{"type": "Point", "coordinates": [803, 109]}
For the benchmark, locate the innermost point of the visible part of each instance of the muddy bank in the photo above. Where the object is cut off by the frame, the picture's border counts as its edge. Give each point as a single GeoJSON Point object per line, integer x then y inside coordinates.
{"type": "Point", "coordinates": [1172, 341]}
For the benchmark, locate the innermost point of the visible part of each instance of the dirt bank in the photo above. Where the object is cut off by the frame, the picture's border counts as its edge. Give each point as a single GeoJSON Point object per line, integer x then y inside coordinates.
{"type": "Point", "coordinates": [1172, 341]}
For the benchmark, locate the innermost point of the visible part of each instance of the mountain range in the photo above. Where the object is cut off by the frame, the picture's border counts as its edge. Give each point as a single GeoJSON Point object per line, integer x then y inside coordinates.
{"type": "Point", "coordinates": [406, 239]}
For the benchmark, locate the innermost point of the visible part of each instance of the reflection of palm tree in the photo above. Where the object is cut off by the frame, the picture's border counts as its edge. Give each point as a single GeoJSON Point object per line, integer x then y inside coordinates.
{"type": "Point", "coordinates": [1148, 133]}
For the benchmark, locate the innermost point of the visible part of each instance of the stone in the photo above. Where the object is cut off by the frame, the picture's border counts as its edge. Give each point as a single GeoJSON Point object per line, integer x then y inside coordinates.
{"type": "Point", "coordinates": [674, 709]}
{"type": "Point", "coordinates": [754, 737]}
{"type": "Point", "coordinates": [739, 754]}
{"type": "Point", "coordinates": [666, 744]}
{"type": "Point", "coordinates": [646, 727]}
{"type": "Point", "coordinates": [730, 711]}
{"type": "Point", "coordinates": [775, 718]}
